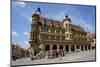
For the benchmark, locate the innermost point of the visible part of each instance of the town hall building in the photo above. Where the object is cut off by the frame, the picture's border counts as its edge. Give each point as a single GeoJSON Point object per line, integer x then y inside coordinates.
{"type": "Point", "coordinates": [49, 35]}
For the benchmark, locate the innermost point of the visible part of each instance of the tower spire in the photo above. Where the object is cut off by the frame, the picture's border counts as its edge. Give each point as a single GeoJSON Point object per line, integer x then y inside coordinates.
{"type": "Point", "coordinates": [67, 18]}
{"type": "Point", "coordinates": [38, 11]}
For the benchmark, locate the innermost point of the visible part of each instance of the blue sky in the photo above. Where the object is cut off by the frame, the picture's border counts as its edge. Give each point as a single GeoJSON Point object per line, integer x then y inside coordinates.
{"type": "Point", "coordinates": [22, 12]}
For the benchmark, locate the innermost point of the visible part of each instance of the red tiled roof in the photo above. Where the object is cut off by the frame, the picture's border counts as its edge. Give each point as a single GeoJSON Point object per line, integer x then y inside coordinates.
{"type": "Point", "coordinates": [58, 24]}
{"type": "Point", "coordinates": [50, 22]}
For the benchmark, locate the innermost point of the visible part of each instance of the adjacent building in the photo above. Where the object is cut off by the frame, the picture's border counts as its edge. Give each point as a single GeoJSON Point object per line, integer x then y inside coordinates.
{"type": "Point", "coordinates": [19, 52]}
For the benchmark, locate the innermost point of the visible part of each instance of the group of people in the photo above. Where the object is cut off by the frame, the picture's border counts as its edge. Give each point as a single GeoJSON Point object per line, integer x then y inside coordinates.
{"type": "Point", "coordinates": [54, 54]}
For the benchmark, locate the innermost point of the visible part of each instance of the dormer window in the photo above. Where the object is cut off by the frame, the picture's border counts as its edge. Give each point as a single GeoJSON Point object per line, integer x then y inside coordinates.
{"type": "Point", "coordinates": [44, 20]}
{"type": "Point", "coordinates": [66, 24]}
{"type": "Point", "coordinates": [39, 23]}
{"type": "Point", "coordinates": [52, 25]}
{"type": "Point", "coordinates": [51, 22]}
{"type": "Point", "coordinates": [44, 24]}
{"type": "Point", "coordinates": [59, 26]}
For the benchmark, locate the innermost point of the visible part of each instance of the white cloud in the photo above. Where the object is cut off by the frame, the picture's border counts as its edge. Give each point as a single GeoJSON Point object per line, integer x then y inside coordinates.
{"type": "Point", "coordinates": [83, 23]}
{"type": "Point", "coordinates": [14, 33]}
{"type": "Point", "coordinates": [30, 19]}
{"type": "Point", "coordinates": [26, 33]}
{"type": "Point", "coordinates": [62, 14]}
{"type": "Point", "coordinates": [26, 42]}
{"type": "Point", "coordinates": [21, 4]}
{"type": "Point", "coordinates": [26, 16]}
{"type": "Point", "coordinates": [87, 27]}
{"type": "Point", "coordinates": [25, 11]}
{"type": "Point", "coordinates": [58, 15]}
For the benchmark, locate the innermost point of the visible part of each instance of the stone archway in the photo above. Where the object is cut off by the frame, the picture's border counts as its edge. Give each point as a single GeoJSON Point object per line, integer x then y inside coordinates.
{"type": "Point", "coordinates": [77, 47]}
{"type": "Point", "coordinates": [47, 47]}
{"type": "Point", "coordinates": [54, 47]}
{"type": "Point", "coordinates": [82, 48]}
{"type": "Point", "coordinates": [67, 48]}
{"type": "Point", "coordinates": [72, 48]}
{"type": "Point", "coordinates": [86, 47]}
{"type": "Point", "coordinates": [61, 47]}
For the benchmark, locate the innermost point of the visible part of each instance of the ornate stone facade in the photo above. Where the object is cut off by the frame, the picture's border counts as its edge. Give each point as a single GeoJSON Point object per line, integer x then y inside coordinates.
{"type": "Point", "coordinates": [52, 35]}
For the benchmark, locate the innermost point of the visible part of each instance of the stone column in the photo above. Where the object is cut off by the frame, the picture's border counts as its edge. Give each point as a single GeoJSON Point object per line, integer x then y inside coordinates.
{"type": "Point", "coordinates": [51, 47]}
{"type": "Point", "coordinates": [90, 47]}
{"type": "Point", "coordinates": [58, 47]}
{"type": "Point", "coordinates": [75, 47]}
{"type": "Point", "coordinates": [64, 47]}
{"type": "Point", "coordinates": [80, 47]}
{"type": "Point", "coordinates": [83, 47]}
{"type": "Point", "coordinates": [43, 48]}
{"type": "Point", "coordinates": [87, 47]}
{"type": "Point", "coordinates": [69, 48]}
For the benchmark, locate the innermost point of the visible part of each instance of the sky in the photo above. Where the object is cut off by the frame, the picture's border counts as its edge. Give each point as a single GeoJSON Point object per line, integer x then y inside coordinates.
{"type": "Point", "coordinates": [22, 12]}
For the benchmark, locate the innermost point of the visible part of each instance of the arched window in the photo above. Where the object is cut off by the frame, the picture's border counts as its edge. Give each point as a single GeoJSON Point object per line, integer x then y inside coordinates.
{"type": "Point", "coordinates": [85, 47]}
{"type": "Point", "coordinates": [54, 47]}
{"type": "Point", "coordinates": [72, 48]}
{"type": "Point", "coordinates": [77, 47]}
{"type": "Point", "coordinates": [82, 47]}
{"type": "Point", "coordinates": [47, 47]}
{"type": "Point", "coordinates": [67, 48]}
{"type": "Point", "coordinates": [61, 47]}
